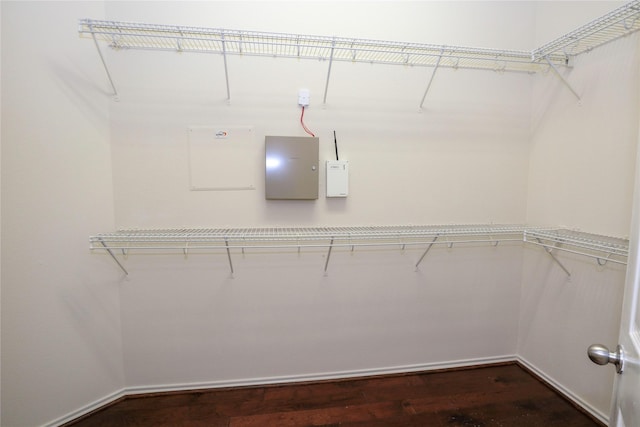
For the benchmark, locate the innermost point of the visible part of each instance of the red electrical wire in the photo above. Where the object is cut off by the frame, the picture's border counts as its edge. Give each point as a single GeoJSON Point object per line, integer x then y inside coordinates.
{"type": "Point", "coordinates": [306, 129]}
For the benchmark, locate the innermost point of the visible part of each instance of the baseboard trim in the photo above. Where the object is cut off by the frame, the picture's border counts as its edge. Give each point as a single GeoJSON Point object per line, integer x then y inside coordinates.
{"type": "Point", "coordinates": [595, 413]}
{"type": "Point", "coordinates": [315, 377]}
{"type": "Point", "coordinates": [91, 407]}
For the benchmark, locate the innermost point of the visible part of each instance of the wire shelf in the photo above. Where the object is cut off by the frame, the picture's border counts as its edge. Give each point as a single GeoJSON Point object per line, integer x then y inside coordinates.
{"type": "Point", "coordinates": [612, 26]}
{"type": "Point", "coordinates": [129, 35]}
{"type": "Point", "coordinates": [297, 236]}
{"type": "Point", "coordinates": [603, 248]}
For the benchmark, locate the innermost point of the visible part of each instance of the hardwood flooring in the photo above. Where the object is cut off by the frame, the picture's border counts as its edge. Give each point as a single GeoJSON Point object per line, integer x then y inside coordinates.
{"type": "Point", "coordinates": [496, 395]}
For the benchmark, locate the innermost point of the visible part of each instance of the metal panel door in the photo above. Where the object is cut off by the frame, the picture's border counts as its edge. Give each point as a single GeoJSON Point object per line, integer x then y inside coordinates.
{"type": "Point", "coordinates": [291, 167]}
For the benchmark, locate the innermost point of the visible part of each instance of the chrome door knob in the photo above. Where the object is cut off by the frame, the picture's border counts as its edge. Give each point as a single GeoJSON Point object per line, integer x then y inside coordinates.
{"type": "Point", "coordinates": [601, 355]}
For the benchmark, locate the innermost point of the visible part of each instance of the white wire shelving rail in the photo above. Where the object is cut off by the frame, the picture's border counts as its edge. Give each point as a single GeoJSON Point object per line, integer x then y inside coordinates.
{"type": "Point", "coordinates": [612, 26]}
{"type": "Point", "coordinates": [603, 249]}
{"type": "Point", "coordinates": [143, 36]}
{"type": "Point", "coordinates": [130, 35]}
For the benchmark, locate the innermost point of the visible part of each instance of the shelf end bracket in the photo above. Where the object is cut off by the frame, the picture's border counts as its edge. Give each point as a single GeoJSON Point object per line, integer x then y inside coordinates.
{"type": "Point", "coordinates": [561, 77]}
{"type": "Point", "coordinates": [549, 250]}
{"type": "Point", "coordinates": [226, 71]}
{"type": "Point", "coordinates": [433, 74]}
{"type": "Point", "coordinates": [326, 85]}
{"type": "Point", "coordinates": [326, 263]}
{"type": "Point", "coordinates": [104, 63]}
{"type": "Point", "coordinates": [426, 251]}
{"type": "Point", "coordinates": [226, 243]}
{"type": "Point", "coordinates": [110, 252]}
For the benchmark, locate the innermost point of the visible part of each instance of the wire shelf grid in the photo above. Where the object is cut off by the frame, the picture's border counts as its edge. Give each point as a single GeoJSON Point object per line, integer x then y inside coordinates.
{"type": "Point", "coordinates": [602, 247]}
{"type": "Point", "coordinates": [129, 35]}
{"type": "Point", "coordinates": [612, 26]}
{"type": "Point", "coordinates": [303, 236]}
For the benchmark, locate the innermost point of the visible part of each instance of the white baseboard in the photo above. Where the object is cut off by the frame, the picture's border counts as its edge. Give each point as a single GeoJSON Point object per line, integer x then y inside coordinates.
{"type": "Point", "coordinates": [604, 418]}
{"type": "Point", "coordinates": [317, 376]}
{"type": "Point", "coordinates": [135, 390]}
{"type": "Point", "coordinates": [95, 405]}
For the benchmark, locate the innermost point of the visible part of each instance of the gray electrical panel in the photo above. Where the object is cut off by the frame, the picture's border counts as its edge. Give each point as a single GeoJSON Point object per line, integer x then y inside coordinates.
{"type": "Point", "coordinates": [291, 167]}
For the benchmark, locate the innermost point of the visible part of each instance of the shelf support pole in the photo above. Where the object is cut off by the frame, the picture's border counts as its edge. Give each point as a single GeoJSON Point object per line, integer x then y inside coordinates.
{"type": "Point", "coordinates": [113, 256]}
{"type": "Point", "coordinates": [226, 71]}
{"type": "Point", "coordinates": [326, 85]}
{"type": "Point", "coordinates": [559, 74]}
{"type": "Point", "coordinates": [226, 243]}
{"type": "Point", "coordinates": [326, 263]}
{"type": "Point", "coordinates": [548, 250]}
{"type": "Point", "coordinates": [104, 63]}
{"type": "Point", "coordinates": [433, 74]}
{"type": "Point", "coordinates": [426, 251]}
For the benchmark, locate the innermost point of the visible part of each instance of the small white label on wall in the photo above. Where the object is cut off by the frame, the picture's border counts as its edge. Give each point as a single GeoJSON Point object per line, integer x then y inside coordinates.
{"type": "Point", "coordinates": [223, 158]}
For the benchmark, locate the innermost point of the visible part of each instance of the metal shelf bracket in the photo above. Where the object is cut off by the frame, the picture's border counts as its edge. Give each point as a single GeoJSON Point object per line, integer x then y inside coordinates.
{"type": "Point", "coordinates": [326, 85]}
{"type": "Point", "coordinates": [104, 63]}
{"type": "Point", "coordinates": [326, 263]}
{"type": "Point", "coordinates": [552, 255]}
{"type": "Point", "coordinates": [226, 243]}
{"type": "Point", "coordinates": [433, 74]}
{"type": "Point", "coordinates": [426, 251]}
{"type": "Point", "coordinates": [561, 77]}
{"type": "Point", "coordinates": [226, 71]}
{"type": "Point", "coordinates": [110, 252]}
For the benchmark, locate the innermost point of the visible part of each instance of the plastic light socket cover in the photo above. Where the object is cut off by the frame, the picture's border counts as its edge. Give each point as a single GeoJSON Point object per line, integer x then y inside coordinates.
{"type": "Point", "coordinates": [303, 97]}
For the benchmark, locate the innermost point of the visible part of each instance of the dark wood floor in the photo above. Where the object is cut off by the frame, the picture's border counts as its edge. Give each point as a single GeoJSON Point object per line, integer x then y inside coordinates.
{"type": "Point", "coordinates": [497, 395]}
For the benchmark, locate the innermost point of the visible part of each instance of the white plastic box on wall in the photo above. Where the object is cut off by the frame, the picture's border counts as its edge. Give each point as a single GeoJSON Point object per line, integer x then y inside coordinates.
{"type": "Point", "coordinates": [337, 178]}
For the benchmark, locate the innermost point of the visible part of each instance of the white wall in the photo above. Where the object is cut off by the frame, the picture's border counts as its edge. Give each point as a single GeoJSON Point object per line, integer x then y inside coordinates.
{"type": "Point", "coordinates": [463, 159]}
{"type": "Point", "coordinates": [468, 157]}
{"type": "Point", "coordinates": [61, 335]}
{"type": "Point", "coordinates": [580, 176]}
{"type": "Point", "coordinates": [582, 153]}
{"type": "Point", "coordinates": [280, 317]}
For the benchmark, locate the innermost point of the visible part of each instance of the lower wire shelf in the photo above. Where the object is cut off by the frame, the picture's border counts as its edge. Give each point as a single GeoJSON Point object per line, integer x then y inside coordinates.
{"type": "Point", "coordinates": [602, 248]}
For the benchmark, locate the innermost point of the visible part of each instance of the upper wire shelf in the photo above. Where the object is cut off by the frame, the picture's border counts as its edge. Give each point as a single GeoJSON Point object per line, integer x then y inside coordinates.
{"type": "Point", "coordinates": [128, 35]}
{"type": "Point", "coordinates": [615, 24]}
